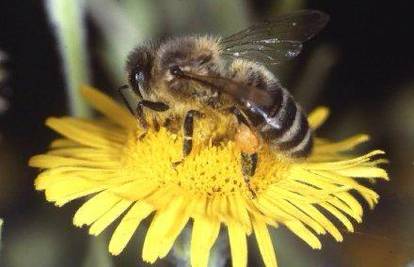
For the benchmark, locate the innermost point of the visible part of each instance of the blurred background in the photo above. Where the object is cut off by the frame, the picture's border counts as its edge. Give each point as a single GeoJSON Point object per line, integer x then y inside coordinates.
{"type": "Point", "coordinates": [361, 66]}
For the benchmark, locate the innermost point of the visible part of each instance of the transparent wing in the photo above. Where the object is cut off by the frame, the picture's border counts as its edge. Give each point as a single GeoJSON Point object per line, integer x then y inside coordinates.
{"type": "Point", "coordinates": [276, 40]}
{"type": "Point", "coordinates": [239, 91]}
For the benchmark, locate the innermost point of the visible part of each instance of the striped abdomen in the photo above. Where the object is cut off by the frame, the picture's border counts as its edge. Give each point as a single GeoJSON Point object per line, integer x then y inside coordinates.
{"type": "Point", "coordinates": [282, 124]}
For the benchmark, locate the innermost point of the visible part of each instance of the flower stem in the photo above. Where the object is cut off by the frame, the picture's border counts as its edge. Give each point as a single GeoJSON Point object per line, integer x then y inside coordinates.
{"type": "Point", "coordinates": [1, 230]}
{"type": "Point", "coordinates": [67, 19]}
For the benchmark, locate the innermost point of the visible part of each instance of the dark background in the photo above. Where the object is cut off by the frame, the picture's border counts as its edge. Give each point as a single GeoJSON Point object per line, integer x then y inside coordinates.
{"type": "Point", "coordinates": [370, 88]}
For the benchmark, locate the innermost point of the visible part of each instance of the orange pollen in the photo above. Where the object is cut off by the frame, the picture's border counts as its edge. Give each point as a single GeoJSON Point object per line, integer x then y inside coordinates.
{"type": "Point", "coordinates": [246, 139]}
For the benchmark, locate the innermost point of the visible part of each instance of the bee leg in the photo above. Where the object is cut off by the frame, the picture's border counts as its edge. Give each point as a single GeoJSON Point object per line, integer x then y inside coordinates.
{"type": "Point", "coordinates": [154, 106]}
{"type": "Point", "coordinates": [188, 131]}
{"type": "Point", "coordinates": [241, 117]}
{"type": "Point", "coordinates": [188, 128]}
{"type": "Point", "coordinates": [139, 112]}
{"type": "Point", "coordinates": [248, 160]}
{"type": "Point", "coordinates": [249, 164]}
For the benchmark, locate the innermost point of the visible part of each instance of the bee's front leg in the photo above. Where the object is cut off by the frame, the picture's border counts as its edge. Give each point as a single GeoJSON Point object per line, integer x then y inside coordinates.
{"type": "Point", "coordinates": [154, 106]}
{"type": "Point", "coordinates": [139, 112]}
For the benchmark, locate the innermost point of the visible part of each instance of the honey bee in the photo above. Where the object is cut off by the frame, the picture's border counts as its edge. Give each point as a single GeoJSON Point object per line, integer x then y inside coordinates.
{"type": "Point", "coordinates": [225, 80]}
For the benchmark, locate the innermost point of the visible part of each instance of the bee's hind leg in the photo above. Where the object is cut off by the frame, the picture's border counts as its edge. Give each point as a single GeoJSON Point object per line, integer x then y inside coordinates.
{"type": "Point", "coordinates": [240, 116]}
{"type": "Point", "coordinates": [249, 164]}
{"type": "Point", "coordinates": [248, 160]}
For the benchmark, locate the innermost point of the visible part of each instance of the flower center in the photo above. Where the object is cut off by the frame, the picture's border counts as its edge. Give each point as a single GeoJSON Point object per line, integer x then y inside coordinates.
{"type": "Point", "coordinates": [211, 170]}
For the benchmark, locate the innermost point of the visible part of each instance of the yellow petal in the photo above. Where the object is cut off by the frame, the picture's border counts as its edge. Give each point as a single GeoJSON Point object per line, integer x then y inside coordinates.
{"type": "Point", "coordinates": [99, 128]}
{"type": "Point", "coordinates": [317, 117]}
{"type": "Point", "coordinates": [204, 234]}
{"type": "Point", "coordinates": [238, 244]}
{"type": "Point", "coordinates": [370, 197]}
{"type": "Point", "coordinates": [176, 228]}
{"type": "Point", "coordinates": [339, 215]}
{"type": "Point", "coordinates": [256, 211]}
{"type": "Point", "coordinates": [329, 181]}
{"type": "Point", "coordinates": [127, 226]}
{"type": "Point", "coordinates": [365, 172]}
{"type": "Point", "coordinates": [108, 107]}
{"type": "Point", "coordinates": [200, 206]}
{"type": "Point", "coordinates": [72, 129]}
{"type": "Point", "coordinates": [68, 190]}
{"type": "Point", "coordinates": [56, 175]}
{"type": "Point", "coordinates": [321, 183]}
{"type": "Point", "coordinates": [278, 192]}
{"type": "Point", "coordinates": [266, 206]}
{"type": "Point", "coordinates": [135, 190]}
{"type": "Point", "coordinates": [158, 235]}
{"type": "Point", "coordinates": [84, 153]}
{"type": "Point", "coordinates": [299, 215]}
{"type": "Point", "coordinates": [94, 208]}
{"type": "Point", "coordinates": [103, 222]}
{"type": "Point", "coordinates": [301, 231]}
{"type": "Point", "coordinates": [265, 243]}
{"type": "Point", "coordinates": [304, 189]}
{"type": "Point", "coordinates": [343, 145]}
{"type": "Point", "coordinates": [352, 203]}
{"type": "Point", "coordinates": [161, 198]}
{"type": "Point", "coordinates": [320, 218]}
{"type": "Point", "coordinates": [59, 202]}
{"type": "Point", "coordinates": [49, 177]}
{"type": "Point", "coordinates": [343, 164]}
{"type": "Point", "coordinates": [63, 143]}
{"type": "Point", "coordinates": [219, 207]}
{"type": "Point", "coordinates": [238, 210]}
{"type": "Point", "coordinates": [320, 178]}
{"type": "Point", "coordinates": [336, 202]}
{"type": "Point", "coordinates": [52, 161]}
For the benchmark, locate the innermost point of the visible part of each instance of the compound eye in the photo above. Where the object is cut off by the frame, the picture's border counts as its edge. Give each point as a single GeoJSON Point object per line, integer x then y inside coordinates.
{"type": "Point", "coordinates": [176, 71]}
{"type": "Point", "coordinates": [139, 77]}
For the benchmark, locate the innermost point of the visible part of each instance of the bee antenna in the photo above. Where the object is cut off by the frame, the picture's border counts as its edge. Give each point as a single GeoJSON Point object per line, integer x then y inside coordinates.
{"type": "Point", "coordinates": [122, 87]}
{"type": "Point", "coordinates": [124, 97]}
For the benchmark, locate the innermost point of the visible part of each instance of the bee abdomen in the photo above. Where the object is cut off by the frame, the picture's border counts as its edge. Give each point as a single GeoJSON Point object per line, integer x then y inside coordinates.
{"type": "Point", "coordinates": [287, 129]}
{"type": "Point", "coordinates": [296, 140]}
{"type": "Point", "coordinates": [281, 123]}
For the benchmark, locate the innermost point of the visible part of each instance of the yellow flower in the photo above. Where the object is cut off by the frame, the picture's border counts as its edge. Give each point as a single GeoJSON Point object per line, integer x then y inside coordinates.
{"type": "Point", "coordinates": [134, 178]}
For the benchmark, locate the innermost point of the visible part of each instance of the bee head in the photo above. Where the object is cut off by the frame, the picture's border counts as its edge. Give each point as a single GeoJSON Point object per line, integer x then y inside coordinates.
{"type": "Point", "coordinates": [138, 67]}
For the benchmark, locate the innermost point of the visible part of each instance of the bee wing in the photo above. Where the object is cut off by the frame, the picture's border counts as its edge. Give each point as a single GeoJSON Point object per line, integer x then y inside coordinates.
{"type": "Point", "coordinates": [240, 91]}
{"type": "Point", "coordinates": [276, 40]}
